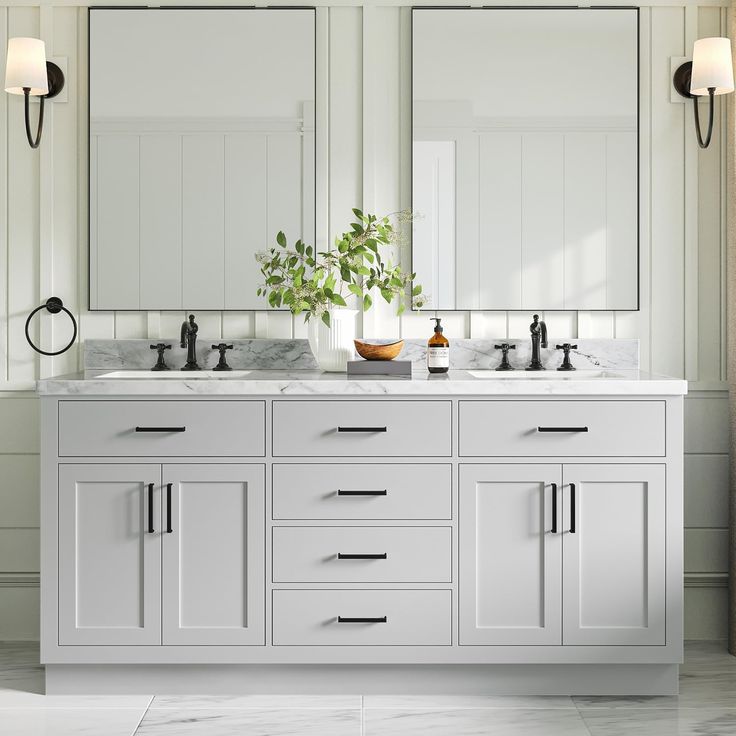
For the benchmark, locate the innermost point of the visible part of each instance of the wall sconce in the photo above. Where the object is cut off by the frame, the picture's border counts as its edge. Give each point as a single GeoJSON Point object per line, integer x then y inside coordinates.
{"type": "Point", "coordinates": [28, 73]}
{"type": "Point", "coordinates": [709, 73]}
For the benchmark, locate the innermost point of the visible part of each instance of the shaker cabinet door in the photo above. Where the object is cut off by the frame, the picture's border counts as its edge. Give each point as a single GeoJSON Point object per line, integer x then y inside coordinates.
{"type": "Point", "coordinates": [109, 554]}
{"type": "Point", "coordinates": [213, 554]}
{"type": "Point", "coordinates": [614, 554]}
{"type": "Point", "coordinates": [510, 554]}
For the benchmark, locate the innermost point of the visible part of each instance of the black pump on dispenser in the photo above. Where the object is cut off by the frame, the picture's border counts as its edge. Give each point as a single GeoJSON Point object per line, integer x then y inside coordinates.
{"type": "Point", "coordinates": [438, 350]}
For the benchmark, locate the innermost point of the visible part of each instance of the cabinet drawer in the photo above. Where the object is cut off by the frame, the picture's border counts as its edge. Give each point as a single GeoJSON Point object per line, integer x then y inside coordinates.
{"type": "Point", "coordinates": [343, 491]}
{"type": "Point", "coordinates": [134, 428]}
{"type": "Point", "coordinates": [362, 428]}
{"type": "Point", "coordinates": [401, 618]}
{"type": "Point", "coordinates": [365, 554]}
{"type": "Point", "coordinates": [562, 428]}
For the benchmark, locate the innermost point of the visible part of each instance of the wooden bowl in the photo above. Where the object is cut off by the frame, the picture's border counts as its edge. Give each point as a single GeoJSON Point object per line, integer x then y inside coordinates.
{"type": "Point", "coordinates": [378, 351]}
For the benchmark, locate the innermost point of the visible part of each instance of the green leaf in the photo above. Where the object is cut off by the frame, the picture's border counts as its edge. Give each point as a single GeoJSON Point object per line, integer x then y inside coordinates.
{"type": "Point", "coordinates": [326, 318]}
{"type": "Point", "coordinates": [337, 299]}
{"type": "Point", "coordinates": [367, 301]}
{"type": "Point", "coordinates": [357, 213]}
{"type": "Point", "coordinates": [355, 289]}
{"type": "Point", "coordinates": [363, 271]}
{"type": "Point", "coordinates": [387, 294]}
{"type": "Point", "coordinates": [401, 309]}
{"type": "Point", "coordinates": [417, 290]}
{"type": "Point", "coordinates": [281, 239]}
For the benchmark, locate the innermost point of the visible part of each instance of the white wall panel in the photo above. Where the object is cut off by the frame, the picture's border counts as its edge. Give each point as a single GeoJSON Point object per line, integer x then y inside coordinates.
{"type": "Point", "coordinates": [19, 491]}
{"type": "Point", "coordinates": [543, 229]}
{"type": "Point", "coordinates": [116, 201]}
{"type": "Point", "coordinates": [706, 491]}
{"type": "Point", "coordinates": [203, 224]}
{"type": "Point", "coordinates": [585, 229]}
{"type": "Point", "coordinates": [160, 206]}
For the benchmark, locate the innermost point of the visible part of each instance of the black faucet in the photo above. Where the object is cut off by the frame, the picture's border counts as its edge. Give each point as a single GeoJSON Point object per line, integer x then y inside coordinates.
{"type": "Point", "coordinates": [222, 363]}
{"type": "Point", "coordinates": [189, 341]}
{"type": "Point", "coordinates": [504, 347]}
{"type": "Point", "coordinates": [160, 362]}
{"type": "Point", "coordinates": [539, 340]}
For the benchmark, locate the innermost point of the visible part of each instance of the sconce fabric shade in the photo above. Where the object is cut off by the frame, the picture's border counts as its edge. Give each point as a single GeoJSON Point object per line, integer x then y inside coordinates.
{"type": "Point", "coordinates": [712, 67]}
{"type": "Point", "coordinates": [26, 66]}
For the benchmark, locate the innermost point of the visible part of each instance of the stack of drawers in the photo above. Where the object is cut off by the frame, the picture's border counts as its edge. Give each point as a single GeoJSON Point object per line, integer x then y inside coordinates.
{"type": "Point", "coordinates": [362, 536]}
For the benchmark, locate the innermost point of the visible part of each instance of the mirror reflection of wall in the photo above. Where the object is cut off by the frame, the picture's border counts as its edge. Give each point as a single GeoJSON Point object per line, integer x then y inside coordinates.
{"type": "Point", "coordinates": [202, 148]}
{"type": "Point", "coordinates": [525, 158]}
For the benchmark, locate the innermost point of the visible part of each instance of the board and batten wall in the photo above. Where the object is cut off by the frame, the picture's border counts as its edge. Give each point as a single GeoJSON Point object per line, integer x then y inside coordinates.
{"type": "Point", "coordinates": [363, 158]}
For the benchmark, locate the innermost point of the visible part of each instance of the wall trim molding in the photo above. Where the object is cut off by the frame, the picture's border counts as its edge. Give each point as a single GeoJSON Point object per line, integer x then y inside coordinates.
{"type": "Point", "coordinates": [20, 579]}
{"type": "Point", "coordinates": [706, 580]}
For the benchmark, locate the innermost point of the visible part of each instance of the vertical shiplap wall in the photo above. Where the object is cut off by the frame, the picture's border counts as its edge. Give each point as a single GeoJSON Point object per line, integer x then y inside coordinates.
{"type": "Point", "coordinates": [363, 158]}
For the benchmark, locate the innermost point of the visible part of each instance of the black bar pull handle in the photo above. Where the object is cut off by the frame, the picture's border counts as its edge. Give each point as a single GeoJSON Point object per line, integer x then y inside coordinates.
{"type": "Point", "coordinates": [572, 508]}
{"type": "Point", "coordinates": [169, 530]}
{"type": "Point", "coordinates": [150, 529]}
{"type": "Point", "coordinates": [362, 429]}
{"type": "Point", "coordinates": [554, 508]}
{"type": "Point", "coordinates": [562, 429]}
{"type": "Point", "coordinates": [378, 556]}
{"type": "Point", "coordinates": [383, 492]}
{"type": "Point", "coordinates": [362, 620]}
{"type": "Point", "coordinates": [160, 429]}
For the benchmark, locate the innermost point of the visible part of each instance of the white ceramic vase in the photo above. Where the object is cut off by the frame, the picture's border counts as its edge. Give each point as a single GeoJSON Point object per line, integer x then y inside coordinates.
{"type": "Point", "coordinates": [333, 346]}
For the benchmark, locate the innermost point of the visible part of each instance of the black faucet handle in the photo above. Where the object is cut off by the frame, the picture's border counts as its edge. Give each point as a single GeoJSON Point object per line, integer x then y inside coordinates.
{"type": "Point", "coordinates": [160, 347]}
{"type": "Point", "coordinates": [222, 365]}
{"type": "Point", "coordinates": [566, 347]}
{"type": "Point", "coordinates": [504, 347]}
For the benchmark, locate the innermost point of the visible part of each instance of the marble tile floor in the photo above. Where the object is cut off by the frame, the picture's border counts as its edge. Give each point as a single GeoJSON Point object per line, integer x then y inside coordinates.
{"type": "Point", "coordinates": [706, 706]}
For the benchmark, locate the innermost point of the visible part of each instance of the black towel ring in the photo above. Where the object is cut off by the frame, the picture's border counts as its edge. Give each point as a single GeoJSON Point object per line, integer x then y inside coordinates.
{"type": "Point", "coordinates": [53, 305]}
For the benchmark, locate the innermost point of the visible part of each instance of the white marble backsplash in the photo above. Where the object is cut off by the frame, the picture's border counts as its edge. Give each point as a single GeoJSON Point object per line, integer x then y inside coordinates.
{"type": "Point", "coordinates": [263, 354]}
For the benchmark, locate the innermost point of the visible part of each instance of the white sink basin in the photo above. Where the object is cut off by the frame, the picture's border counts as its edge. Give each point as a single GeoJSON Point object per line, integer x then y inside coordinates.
{"type": "Point", "coordinates": [545, 375]}
{"type": "Point", "coordinates": [180, 375]}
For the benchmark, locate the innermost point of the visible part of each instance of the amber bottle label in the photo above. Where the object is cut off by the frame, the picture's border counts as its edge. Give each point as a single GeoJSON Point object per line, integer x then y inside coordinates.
{"type": "Point", "coordinates": [438, 357]}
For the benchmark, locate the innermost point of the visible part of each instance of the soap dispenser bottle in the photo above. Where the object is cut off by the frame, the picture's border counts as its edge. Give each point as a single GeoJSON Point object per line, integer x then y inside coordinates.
{"type": "Point", "coordinates": [438, 350]}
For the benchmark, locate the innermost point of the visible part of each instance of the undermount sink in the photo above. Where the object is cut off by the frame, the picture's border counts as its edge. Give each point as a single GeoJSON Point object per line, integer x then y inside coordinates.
{"type": "Point", "coordinates": [546, 375]}
{"type": "Point", "coordinates": [180, 375]}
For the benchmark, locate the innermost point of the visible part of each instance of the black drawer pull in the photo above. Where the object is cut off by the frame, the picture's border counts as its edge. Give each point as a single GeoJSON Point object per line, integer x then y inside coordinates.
{"type": "Point", "coordinates": [562, 429]}
{"type": "Point", "coordinates": [362, 429]}
{"type": "Point", "coordinates": [554, 508]}
{"type": "Point", "coordinates": [572, 508]}
{"type": "Point", "coordinates": [362, 620]}
{"type": "Point", "coordinates": [150, 529]}
{"type": "Point", "coordinates": [160, 429]}
{"type": "Point", "coordinates": [340, 492]}
{"type": "Point", "coordinates": [379, 556]}
{"type": "Point", "coordinates": [169, 530]}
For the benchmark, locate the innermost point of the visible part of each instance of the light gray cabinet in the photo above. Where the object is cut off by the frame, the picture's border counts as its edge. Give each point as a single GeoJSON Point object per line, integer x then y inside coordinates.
{"type": "Point", "coordinates": [161, 554]}
{"type": "Point", "coordinates": [213, 557]}
{"type": "Point", "coordinates": [614, 562]}
{"type": "Point", "coordinates": [510, 559]}
{"type": "Point", "coordinates": [562, 554]}
{"type": "Point", "coordinates": [109, 561]}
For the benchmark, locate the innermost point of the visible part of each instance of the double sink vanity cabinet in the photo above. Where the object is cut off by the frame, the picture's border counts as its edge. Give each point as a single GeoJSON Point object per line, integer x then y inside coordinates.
{"type": "Point", "coordinates": [447, 533]}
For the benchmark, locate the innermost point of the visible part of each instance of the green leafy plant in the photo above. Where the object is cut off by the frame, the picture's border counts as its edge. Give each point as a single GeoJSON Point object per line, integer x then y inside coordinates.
{"type": "Point", "coordinates": [310, 282]}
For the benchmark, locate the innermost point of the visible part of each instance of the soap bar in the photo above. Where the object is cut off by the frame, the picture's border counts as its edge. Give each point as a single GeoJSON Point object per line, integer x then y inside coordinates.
{"type": "Point", "coordinates": [379, 368]}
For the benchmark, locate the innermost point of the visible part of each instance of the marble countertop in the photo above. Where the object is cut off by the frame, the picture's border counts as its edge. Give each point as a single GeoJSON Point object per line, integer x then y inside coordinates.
{"type": "Point", "coordinates": [311, 382]}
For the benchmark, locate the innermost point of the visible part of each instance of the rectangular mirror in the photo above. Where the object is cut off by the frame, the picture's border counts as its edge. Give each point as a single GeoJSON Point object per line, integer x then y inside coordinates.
{"type": "Point", "coordinates": [525, 158]}
{"type": "Point", "coordinates": [202, 147]}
